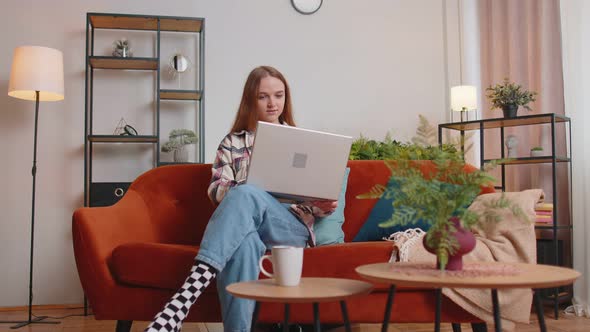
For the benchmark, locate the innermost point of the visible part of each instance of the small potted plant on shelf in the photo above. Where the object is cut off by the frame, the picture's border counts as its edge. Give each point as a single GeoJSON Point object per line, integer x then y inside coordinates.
{"type": "Point", "coordinates": [122, 48]}
{"type": "Point", "coordinates": [509, 97]}
{"type": "Point", "coordinates": [537, 151]}
{"type": "Point", "coordinates": [178, 139]}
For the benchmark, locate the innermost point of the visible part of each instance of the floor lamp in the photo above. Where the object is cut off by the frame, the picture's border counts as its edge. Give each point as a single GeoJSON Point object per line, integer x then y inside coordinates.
{"type": "Point", "coordinates": [36, 74]}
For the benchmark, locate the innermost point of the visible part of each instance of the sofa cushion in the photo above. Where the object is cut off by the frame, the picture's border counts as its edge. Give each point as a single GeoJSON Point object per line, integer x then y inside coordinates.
{"type": "Point", "coordinates": [364, 174]}
{"type": "Point", "coordinates": [166, 266]}
{"type": "Point", "coordinates": [328, 230]}
{"type": "Point", "coordinates": [382, 211]}
{"type": "Point", "coordinates": [155, 265]}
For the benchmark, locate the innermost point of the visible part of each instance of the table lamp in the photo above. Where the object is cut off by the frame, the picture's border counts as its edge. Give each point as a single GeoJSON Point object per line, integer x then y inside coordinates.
{"type": "Point", "coordinates": [36, 74]}
{"type": "Point", "coordinates": [463, 99]}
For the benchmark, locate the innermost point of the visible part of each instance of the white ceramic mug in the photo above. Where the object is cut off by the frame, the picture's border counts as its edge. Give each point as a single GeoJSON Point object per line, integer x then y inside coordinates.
{"type": "Point", "coordinates": [287, 263]}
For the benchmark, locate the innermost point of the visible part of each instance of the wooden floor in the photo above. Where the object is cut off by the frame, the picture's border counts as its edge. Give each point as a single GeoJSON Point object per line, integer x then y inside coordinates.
{"type": "Point", "coordinates": [566, 323]}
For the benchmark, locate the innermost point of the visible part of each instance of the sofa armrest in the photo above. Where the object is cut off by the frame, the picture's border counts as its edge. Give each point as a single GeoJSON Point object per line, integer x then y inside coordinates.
{"type": "Point", "coordinates": [98, 231]}
{"type": "Point", "coordinates": [167, 204]}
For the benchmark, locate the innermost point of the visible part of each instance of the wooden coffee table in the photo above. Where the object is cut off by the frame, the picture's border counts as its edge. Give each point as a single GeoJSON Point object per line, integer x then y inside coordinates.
{"type": "Point", "coordinates": [482, 275]}
{"type": "Point", "coordinates": [310, 290]}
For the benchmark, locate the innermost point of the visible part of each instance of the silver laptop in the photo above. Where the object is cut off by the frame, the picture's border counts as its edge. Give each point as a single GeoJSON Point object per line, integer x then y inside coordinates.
{"type": "Point", "coordinates": [295, 164]}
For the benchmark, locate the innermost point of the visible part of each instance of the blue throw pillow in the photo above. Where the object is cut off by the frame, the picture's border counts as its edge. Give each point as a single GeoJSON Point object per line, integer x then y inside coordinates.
{"type": "Point", "coordinates": [328, 230]}
{"type": "Point", "coordinates": [381, 212]}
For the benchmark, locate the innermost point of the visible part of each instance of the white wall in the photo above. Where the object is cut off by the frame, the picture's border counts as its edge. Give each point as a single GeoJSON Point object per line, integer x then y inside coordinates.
{"type": "Point", "coordinates": [354, 67]}
{"type": "Point", "coordinates": [576, 76]}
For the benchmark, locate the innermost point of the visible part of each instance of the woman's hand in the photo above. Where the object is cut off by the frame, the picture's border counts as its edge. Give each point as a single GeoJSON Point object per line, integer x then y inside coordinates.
{"type": "Point", "coordinates": [325, 206]}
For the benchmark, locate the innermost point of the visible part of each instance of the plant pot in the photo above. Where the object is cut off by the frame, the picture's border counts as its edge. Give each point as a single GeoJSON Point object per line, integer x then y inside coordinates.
{"type": "Point", "coordinates": [466, 241]}
{"type": "Point", "coordinates": [181, 155]}
{"type": "Point", "coordinates": [123, 52]}
{"type": "Point", "coordinates": [510, 111]}
{"type": "Point", "coordinates": [537, 153]}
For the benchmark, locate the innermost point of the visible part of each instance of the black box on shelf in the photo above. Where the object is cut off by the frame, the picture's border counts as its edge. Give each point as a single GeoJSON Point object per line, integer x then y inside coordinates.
{"type": "Point", "coordinates": [546, 253]}
{"type": "Point", "coordinates": [107, 193]}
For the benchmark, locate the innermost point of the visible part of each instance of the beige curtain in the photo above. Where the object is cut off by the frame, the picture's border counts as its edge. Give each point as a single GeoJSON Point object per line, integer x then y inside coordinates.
{"type": "Point", "coordinates": [575, 28]}
{"type": "Point", "coordinates": [520, 40]}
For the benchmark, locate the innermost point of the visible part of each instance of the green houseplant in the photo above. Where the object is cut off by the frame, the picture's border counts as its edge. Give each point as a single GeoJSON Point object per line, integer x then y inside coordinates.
{"type": "Point", "coordinates": [122, 48]}
{"type": "Point", "coordinates": [537, 151]}
{"type": "Point", "coordinates": [441, 198]}
{"type": "Point", "coordinates": [509, 96]}
{"type": "Point", "coordinates": [363, 148]}
{"type": "Point", "coordinates": [178, 139]}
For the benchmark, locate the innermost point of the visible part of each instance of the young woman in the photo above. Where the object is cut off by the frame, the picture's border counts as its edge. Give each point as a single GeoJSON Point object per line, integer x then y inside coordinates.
{"type": "Point", "coordinates": [248, 221]}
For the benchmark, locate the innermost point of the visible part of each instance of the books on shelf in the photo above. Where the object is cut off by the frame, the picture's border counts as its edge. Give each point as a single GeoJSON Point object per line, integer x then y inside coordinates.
{"type": "Point", "coordinates": [544, 207]}
{"type": "Point", "coordinates": [544, 213]}
{"type": "Point", "coordinates": [543, 220]}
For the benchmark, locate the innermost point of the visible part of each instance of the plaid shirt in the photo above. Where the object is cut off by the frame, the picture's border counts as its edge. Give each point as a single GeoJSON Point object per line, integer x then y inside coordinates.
{"type": "Point", "coordinates": [230, 168]}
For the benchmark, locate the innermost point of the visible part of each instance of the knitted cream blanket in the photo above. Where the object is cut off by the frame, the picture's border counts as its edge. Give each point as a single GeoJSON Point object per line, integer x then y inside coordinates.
{"type": "Point", "coordinates": [509, 240]}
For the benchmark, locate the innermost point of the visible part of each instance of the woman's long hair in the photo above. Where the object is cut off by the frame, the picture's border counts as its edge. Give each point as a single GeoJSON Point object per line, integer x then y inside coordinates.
{"type": "Point", "coordinates": [247, 116]}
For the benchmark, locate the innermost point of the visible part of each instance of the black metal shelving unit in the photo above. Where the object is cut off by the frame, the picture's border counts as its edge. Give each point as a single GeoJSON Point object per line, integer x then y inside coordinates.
{"type": "Point", "coordinates": [107, 193]}
{"type": "Point", "coordinates": [156, 25]}
{"type": "Point", "coordinates": [551, 238]}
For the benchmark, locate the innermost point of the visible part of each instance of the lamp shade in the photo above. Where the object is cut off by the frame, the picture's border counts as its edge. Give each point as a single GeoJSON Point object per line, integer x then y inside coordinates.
{"type": "Point", "coordinates": [37, 68]}
{"type": "Point", "coordinates": [463, 98]}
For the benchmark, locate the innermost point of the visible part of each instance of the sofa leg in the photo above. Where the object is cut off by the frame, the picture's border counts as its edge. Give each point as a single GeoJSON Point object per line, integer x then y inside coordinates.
{"type": "Point", "coordinates": [456, 327]}
{"type": "Point", "coordinates": [479, 327]}
{"type": "Point", "coordinates": [123, 326]}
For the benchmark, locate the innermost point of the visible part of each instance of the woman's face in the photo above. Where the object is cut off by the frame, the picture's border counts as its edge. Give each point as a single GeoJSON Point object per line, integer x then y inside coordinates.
{"type": "Point", "coordinates": [270, 99]}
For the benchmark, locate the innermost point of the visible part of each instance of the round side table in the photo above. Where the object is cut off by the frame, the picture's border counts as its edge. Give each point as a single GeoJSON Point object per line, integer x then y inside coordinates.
{"type": "Point", "coordinates": [490, 275]}
{"type": "Point", "coordinates": [310, 290]}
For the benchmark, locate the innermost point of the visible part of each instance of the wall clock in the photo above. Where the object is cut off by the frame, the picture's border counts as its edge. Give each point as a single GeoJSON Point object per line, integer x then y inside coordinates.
{"type": "Point", "coordinates": [306, 7]}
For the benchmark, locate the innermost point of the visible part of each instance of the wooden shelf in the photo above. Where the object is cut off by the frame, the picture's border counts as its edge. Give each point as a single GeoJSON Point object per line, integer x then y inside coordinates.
{"type": "Point", "coordinates": [506, 122]}
{"type": "Point", "coordinates": [143, 22]}
{"type": "Point", "coordinates": [180, 94]}
{"type": "Point", "coordinates": [542, 225]}
{"type": "Point", "coordinates": [110, 62]}
{"type": "Point", "coordinates": [122, 139]}
{"type": "Point", "coordinates": [529, 160]}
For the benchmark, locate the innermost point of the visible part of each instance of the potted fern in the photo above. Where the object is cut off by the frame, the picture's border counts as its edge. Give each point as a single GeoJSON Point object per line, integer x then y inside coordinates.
{"type": "Point", "coordinates": [178, 139]}
{"type": "Point", "coordinates": [509, 97]}
{"type": "Point", "coordinates": [440, 198]}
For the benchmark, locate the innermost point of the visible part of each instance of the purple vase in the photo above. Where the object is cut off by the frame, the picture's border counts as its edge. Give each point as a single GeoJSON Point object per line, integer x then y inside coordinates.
{"type": "Point", "coordinates": [466, 241]}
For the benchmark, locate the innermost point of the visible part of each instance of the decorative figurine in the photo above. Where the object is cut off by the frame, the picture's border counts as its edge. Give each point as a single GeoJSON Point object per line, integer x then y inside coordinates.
{"type": "Point", "coordinates": [511, 144]}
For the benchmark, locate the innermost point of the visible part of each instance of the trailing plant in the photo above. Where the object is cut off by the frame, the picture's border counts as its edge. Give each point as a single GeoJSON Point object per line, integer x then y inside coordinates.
{"type": "Point", "coordinates": [363, 148]}
{"type": "Point", "coordinates": [444, 192]}
{"type": "Point", "coordinates": [508, 93]}
{"type": "Point", "coordinates": [179, 138]}
{"type": "Point", "coordinates": [537, 148]}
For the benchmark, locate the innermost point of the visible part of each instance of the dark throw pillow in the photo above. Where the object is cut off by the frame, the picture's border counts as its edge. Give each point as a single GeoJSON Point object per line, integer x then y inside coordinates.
{"type": "Point", "coordinates": [381, 212]}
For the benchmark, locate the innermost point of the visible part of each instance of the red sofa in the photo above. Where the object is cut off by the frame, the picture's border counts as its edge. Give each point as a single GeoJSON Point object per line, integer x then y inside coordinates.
{"type": "Point", "coordinates": [132, 256]}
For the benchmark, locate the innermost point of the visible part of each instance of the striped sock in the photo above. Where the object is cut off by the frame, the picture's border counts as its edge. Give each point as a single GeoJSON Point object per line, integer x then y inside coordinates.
{"type": "Point", "coordinates": [175, 311]}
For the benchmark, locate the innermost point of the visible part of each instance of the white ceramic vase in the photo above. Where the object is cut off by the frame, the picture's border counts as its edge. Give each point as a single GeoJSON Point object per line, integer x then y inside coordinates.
{"type": "Point", "coordinates": [181, 155]}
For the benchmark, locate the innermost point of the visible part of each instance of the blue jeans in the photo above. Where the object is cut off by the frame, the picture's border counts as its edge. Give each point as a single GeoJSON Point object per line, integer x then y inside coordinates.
{"type": "Point", "coordinates": [246, 223]}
